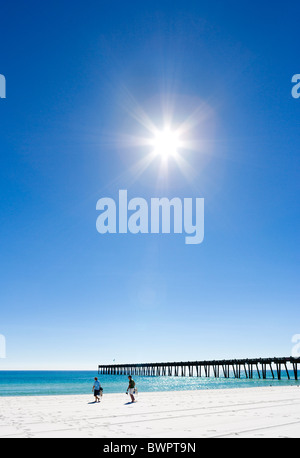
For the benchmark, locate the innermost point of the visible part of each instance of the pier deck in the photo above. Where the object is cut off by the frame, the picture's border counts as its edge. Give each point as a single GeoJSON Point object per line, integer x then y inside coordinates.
{"type": "Point", "coordinates": [263, 368]}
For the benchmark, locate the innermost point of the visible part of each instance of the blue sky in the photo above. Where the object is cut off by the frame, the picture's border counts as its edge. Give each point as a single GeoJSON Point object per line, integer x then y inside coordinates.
{"type": "Point", "coordinates": [76, 78]}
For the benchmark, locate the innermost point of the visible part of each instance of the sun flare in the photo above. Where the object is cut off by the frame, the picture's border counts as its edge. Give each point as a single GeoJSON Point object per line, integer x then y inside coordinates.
{"type": "Point", "coordinates": [177, 136]}
{"type": "Point", "coordinates": [166, 143]}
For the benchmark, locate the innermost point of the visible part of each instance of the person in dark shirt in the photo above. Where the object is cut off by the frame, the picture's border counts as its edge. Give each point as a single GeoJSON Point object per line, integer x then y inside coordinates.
{"type": "Point", "coordinates": [131, 388]}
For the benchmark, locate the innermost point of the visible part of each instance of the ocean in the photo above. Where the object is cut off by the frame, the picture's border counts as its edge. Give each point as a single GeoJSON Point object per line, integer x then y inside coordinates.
{"type": "Point", "coordinates": [46, 383]}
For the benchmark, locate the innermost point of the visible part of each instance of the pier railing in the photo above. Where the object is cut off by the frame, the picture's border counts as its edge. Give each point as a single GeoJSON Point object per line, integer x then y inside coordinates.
{"type": "Point", "coordinates": [262, 368]}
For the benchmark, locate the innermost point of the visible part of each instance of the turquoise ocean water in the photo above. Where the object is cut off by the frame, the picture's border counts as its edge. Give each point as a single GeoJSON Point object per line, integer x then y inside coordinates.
{"type": "Point", "coordinates": [44, 383]}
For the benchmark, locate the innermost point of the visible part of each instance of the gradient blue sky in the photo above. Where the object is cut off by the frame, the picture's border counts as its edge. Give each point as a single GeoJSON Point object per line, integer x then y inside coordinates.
{"type": "Point", "coordinates": [76, 74]}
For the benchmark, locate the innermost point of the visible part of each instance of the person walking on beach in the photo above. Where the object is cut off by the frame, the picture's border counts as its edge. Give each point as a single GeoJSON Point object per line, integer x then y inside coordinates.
{"type": "Point", "coordinates": [96, 389]}
{"type": "Point", "coordinates": [130, 388]}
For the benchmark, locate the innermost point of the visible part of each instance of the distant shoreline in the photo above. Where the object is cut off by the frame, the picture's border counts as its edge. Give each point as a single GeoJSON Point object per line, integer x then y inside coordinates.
{"type": "Point", "coordinates": [165, 392]}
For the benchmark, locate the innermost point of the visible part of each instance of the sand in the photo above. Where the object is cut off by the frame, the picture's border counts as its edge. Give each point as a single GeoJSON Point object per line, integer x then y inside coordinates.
{"type": "Point", "coordinates": [272, 412]}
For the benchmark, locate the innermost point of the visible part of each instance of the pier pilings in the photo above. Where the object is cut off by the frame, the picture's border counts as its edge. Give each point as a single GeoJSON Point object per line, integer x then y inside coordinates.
{"type": "Point", "coordinates": [261, 368]}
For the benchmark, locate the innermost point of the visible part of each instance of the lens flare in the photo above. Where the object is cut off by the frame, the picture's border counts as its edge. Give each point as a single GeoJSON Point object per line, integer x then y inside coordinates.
{"type": "Point", "coordinates": [176, 132]}
{"type": "Point", "coordinates": [166, 143]}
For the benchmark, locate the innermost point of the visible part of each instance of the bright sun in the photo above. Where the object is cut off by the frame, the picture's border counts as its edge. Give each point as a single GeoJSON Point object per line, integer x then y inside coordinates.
{"type": "Point", "coordinates": [166, 143]}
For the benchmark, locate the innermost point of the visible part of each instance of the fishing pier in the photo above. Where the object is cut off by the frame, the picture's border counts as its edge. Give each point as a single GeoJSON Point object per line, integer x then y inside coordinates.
{"type": "Point", "coordinates": [262, 368]}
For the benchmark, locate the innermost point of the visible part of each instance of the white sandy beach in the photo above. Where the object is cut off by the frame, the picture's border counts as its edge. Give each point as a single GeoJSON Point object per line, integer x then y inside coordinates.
{"type": "Point", "coordinates": [251, 412]}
